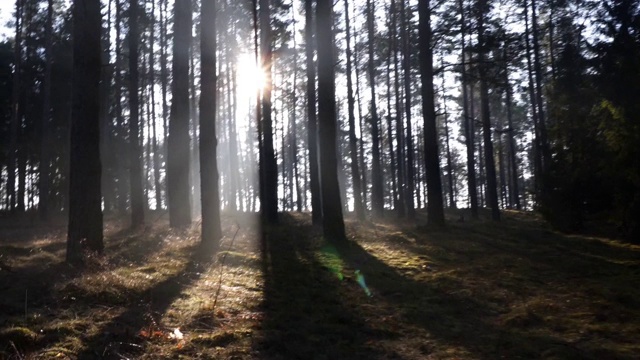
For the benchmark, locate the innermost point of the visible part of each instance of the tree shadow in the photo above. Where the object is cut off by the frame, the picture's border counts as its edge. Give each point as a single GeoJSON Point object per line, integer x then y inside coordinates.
{"type": "Point", "coordinates": [453, 317]}
{"type": "Point", "coordinates": [119, 338]}
{"type": "Point", "coordinates": [305, 316]}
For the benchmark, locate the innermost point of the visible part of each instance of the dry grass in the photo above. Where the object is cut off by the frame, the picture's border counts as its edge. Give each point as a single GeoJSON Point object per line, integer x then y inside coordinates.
{"type": "Point", "coordinates": [474, 290]}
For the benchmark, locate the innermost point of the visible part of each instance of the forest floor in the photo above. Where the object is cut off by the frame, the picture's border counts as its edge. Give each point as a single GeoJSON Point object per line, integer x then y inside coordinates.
{"type": "Point", "coordinates": [473, 290]}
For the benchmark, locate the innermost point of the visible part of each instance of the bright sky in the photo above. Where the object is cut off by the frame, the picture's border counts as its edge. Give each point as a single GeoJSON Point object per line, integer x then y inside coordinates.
{"type": "Point", "coordinates": [6, 7]}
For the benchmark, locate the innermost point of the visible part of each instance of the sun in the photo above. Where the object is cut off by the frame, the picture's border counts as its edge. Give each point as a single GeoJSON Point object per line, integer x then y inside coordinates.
{"type": "Point", "coordinates": [250, 76]}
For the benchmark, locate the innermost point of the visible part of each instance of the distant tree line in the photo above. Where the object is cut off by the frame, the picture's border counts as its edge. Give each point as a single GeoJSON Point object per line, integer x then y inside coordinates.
{"type": "Point", "coordinates": [380, 108]}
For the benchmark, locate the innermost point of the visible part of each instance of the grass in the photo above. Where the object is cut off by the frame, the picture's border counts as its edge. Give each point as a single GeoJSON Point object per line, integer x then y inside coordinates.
{"type": "Point", "coordinates": [472, 290]}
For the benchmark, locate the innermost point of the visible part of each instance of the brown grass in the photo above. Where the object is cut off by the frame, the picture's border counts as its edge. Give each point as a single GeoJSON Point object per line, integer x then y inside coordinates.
{"type": "Point", "coordinates": [473, 290]}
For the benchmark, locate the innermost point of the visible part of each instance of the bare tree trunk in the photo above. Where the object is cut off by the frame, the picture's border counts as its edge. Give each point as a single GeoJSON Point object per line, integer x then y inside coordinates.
{"type": "Point", "coordinates": [312, 130]}
{"type": "Point", "coordinates": [492, 195]}
{"type": "Point", "coordinates": [406, 68]}
{"type": "Point", "coordinates": [270, 205]}
{"type": "Point", "coordinates": [332, 220]}
{"type": "Point", "coordinates": [435, 210]}
{"type": "Point", "coordinates": [468, 118]}
{"type": "Point", "coordinates": [44, 169]}
{"type": "Point", "coordinates": [400, 152]}
{"type": "Point", "coordinates": [178, 163]}
{"type": "Point", "coordinates": [152, 80]}
{"type": "Point", "coordinates": [353, 146]}
{"type": "Point", "coordinates": [15, 109]}
{"type": "Point", "coordinates": [377, 195]}
{"type": "Point", "coordinates": [135, 167]}
{"type": "Point", "coordinates": [85, 213]}
{"type": "Point", "coordinates": [210, 199]}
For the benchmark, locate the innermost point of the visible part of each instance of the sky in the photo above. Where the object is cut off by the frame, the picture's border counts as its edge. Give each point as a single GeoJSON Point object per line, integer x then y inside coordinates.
{"type": "Point", "coordinates": [6, 8]}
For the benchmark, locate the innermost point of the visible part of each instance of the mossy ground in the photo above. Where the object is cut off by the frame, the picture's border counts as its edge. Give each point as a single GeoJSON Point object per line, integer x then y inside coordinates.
{"type": "Point", "coordinates": [473, 290]}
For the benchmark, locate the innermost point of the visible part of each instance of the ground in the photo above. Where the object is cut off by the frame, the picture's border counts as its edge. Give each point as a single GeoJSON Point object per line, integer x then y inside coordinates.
{"type": "Point", "coordinates": [397, 290]}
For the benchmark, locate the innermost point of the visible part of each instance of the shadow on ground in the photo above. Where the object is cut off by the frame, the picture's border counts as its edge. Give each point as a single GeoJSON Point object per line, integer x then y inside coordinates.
{"type": "Point", "coordinates": [305, 316]}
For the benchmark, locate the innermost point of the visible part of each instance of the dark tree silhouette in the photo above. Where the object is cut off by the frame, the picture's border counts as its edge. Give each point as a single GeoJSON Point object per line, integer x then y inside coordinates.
{"type": "Point", "coordinates": [85, 212]}
{"type": "Point", "coordinates": [332, 221]}
{"type": "Point", "coordinates": [135, 151]}
{"type": "Point", "coordinates": [435, 210]}
{"type": "Point", "coordinates": [179, 192]}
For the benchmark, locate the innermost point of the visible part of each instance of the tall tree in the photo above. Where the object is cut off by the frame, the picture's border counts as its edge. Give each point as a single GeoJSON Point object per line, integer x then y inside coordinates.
{"type": "Point", "coordinates": [485, 112]}
{"type": "Point", "coordinates": [353, 145]}
{"type": "Point", "coordinates": [15, 107]}
{"type": "Point", "coordinates": [179, 192]}
{"type": "Point", "coordinates": [210, 198]}
{"type": "Point", "coordinates": [43, 198]}
{"type": "Point", "coordinates": [406, 68]}
{"type": "Point", "coordinates": [270, 166]}
{"type": "Point", "coordinates": [85, 212]}
{"type": "Point", "coordinates": [135, 151]}
{"type": "Point", "coordinates": [377, 196]}
{"type": "Point", "coordinates": [332, 220]}
{"type": "Point", "coordinates": [467, 118]}
{"type": "Point", "coordinates": [312, 127]}
{"type": "Point", "coordinates": [435, 210]}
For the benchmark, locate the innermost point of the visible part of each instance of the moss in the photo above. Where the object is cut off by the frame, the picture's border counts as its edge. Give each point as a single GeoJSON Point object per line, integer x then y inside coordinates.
{"type": "Point", "coordinates": [23, 338]}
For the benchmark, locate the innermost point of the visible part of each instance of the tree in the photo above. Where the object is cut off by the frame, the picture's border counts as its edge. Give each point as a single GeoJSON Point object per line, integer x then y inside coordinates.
{"type": "Point", "coordinates": [210, 198]}
{"type": "Point", "coordinates": [85, 212]}
{"type": "Point", "coordinates": [377, 195]}
{"type": "Point", "coordinates": [135, 152]}
{"type": "Point", "coordinates": [269, 164]}
{"type": "Point", "coordinates": [179, 192]}
{"type": "Point", "coordinates": [43, 203]}
{"type": "Point", "coordinates": [353, 146]}
{"type": "Point", "coordinates": [332, 221]}
{"type": "Point", "coordinates": [485, 113]}
{"type": "Point", "coordinates": [435, 210]}
{"type": "Point", "coordinates": [312, 127]}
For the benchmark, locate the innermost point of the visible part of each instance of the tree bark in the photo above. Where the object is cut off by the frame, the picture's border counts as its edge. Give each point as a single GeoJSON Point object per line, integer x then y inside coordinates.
{"type": "Point", "coordinates": [43, 198]}
{"type": "Point", "coordinates": [270, 205]}
{"type": "Point", "coordinates": [406, 68]}
{"type": "Point", "coordinates": [468, 120]}
{"type": "Point", "coordinates": [332, 221]}
{"type": "Point", "coordinates": [15, 109]}
{"type": "Point", "coordinates": [85, 212]}
{"type": "Point", "coordinates": [209, 180]}
{"type": "Point", "coordinates": [353, 145]}
{"type": "Point", "coordinates": [179, 192]}
{"type": "Point", "coordinates": [135, 150]}
{"type": "Point", "coordinates": [312, 130]}
{"type": "Point", "coordinates": [492, 194]}
{"type": "Point", "coordinates": [377, 195]}
{"type": "Point", "coordinates": [435, 210]}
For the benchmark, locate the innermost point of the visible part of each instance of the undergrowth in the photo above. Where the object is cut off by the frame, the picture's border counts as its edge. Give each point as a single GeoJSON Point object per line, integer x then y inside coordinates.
{"type": "Point", "coordinates": [472, 290]}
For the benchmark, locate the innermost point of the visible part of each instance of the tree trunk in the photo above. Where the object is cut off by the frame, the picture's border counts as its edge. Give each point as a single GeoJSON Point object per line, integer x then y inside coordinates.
{"type": "Point", "coordinates": [377, 195]}
{"type": "Point", "coordinates": [353, 145]}
{"type": "Point", "coordinates": [406, 68]}
{"type": "Point", "coordinates": [152, 80]}
{"type": "Point", "coordinates": [400, 152]}
{"type": "Point", "coordinates": [15, 109]}
{"type": "Point", "coordinates": [85, 213]}
{"type": "Point", "coordinates": [332, 221]}
{"type": "Point", "coordinates": [435, 210]}
{"type": "Point", "coordinates": [514, 192]}
{"type": "Point", "coordinates": [312, 130]}
{"type": "Point", "coordinates": [492, 194]}
{"type": "Point", "coordinates": [135, 166]}
{"type": "Point", "coordinates": [179, 192]}
{"type": "Point", "coordinates": [270, 205]}
{"type": "Point", "coordinates": [210, 199]}
{"type": "Point", "coordinates": [467, 120]}
{"type": "Point", "coordinates": [44, 169]}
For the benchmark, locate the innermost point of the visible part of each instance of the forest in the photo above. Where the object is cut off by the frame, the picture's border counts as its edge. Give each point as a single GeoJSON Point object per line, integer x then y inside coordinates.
{"type": "Point", "coordinates": [299, 179]}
